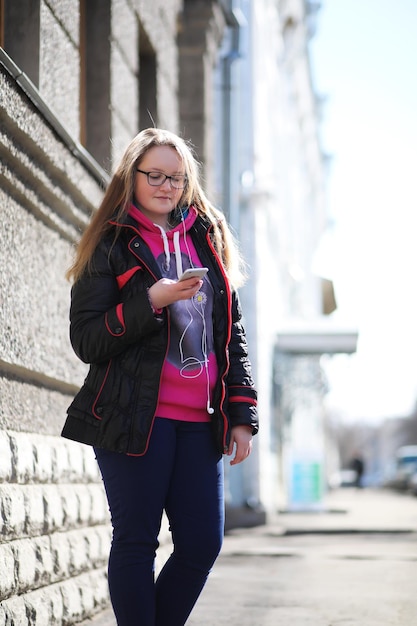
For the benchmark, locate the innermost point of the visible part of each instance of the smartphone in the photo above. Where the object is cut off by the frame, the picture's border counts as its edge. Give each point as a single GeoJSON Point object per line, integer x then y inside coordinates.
{"type": "Point", "coordinates": [194, 272]}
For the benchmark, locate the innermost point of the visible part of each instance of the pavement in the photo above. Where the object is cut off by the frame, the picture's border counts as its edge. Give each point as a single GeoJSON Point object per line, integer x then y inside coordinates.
{"type": "Point", "coordinates": [351, 563]}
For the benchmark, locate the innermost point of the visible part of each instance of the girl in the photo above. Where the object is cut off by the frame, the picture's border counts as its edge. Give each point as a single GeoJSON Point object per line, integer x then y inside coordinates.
{"type": "Point", "coordinates": [169, 389]}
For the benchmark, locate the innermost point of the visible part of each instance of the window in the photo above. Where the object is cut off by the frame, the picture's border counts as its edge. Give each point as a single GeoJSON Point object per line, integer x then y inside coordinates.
{"type": "Point", "coordinates": [20, 28]}
{"type": "Point", "coordinates": [95, 30]}
{"type": "Point", "coordinates": [147, 82]}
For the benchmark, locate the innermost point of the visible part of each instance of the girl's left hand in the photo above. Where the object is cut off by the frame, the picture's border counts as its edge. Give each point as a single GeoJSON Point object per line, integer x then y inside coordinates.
{"type": "Point", "coordinates": [242, 437]}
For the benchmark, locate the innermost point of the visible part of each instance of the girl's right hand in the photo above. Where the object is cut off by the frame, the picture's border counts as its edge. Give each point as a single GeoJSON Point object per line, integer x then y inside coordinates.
{"type": "Point", "coordinates": [167, 291]}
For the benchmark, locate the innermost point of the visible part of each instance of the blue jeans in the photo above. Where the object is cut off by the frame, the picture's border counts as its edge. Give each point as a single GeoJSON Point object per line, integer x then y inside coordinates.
{"type": "Point", "coordinates": [182, 473]}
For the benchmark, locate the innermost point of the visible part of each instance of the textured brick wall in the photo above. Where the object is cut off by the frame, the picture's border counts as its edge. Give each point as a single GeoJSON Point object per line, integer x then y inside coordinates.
{"type": "Point", "coordinates": [54, 521]}
{"type": "Point", "coordinates": [54, 524]}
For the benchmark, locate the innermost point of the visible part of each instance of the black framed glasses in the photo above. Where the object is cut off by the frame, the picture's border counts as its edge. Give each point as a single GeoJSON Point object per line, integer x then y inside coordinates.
{"type": "Point", "coordinates": [155, 179]}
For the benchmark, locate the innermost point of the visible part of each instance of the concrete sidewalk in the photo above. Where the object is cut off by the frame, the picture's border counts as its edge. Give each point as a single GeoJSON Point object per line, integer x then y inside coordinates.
{"type": "Point", "coordinates": [354, 511]}
{"type": "Point", "coordinates": [352, 563]}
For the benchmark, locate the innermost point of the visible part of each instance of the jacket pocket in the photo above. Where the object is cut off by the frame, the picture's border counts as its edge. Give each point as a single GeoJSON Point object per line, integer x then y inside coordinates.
{"type": "Point", "coordinates": [98, 404]}
{"type": "Point", "coordinates": [95, 396]}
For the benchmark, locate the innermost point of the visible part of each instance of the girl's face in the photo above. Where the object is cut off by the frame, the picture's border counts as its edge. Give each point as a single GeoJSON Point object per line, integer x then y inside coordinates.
{"type": "Point", "coordinates": [157, 201]}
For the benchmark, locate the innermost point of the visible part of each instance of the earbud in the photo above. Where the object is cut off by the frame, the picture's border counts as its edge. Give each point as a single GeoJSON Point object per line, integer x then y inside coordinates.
{"type": "Point", "coordinates": [210, 409]}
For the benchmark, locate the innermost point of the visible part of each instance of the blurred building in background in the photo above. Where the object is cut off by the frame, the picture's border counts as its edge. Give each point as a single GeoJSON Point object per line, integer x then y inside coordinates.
{"type": "Point", "coordinates": [272, 184]}
{"type": "Point", "coordinates": [77, 81]}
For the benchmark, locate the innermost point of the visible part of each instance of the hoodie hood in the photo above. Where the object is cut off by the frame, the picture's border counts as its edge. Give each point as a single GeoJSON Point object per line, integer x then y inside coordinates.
{"type": "Point", "coordinates": [171, 238]}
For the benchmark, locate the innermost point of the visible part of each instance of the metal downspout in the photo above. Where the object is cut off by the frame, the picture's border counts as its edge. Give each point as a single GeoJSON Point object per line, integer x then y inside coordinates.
{"type": "Point", "coordinates": [235, 21]}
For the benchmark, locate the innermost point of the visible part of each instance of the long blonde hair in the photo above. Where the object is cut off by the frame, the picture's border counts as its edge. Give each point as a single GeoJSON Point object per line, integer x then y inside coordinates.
{"type": "Point", "coordinates": [119, 196]}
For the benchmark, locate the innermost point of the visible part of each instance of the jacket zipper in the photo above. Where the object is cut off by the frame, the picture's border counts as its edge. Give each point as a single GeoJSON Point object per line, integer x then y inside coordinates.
{"type": "Point", "coordinates": [226, 355]}
{"type": "Point", "coordinates": [166, 351]}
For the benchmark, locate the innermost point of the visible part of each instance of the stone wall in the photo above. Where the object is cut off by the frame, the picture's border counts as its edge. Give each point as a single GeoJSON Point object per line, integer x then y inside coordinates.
{"type": "Point", "coordinates": [55, 529]}
{"type": "Point", "coordinates": [55, 532]}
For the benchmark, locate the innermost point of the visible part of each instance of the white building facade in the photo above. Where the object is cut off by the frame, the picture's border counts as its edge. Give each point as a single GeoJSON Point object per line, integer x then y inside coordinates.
{"type": "Point", "coordinates": [276, 202]}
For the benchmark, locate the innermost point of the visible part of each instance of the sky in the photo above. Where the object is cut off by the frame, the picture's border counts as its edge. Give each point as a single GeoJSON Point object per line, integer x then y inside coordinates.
{"type": "Point", "coordinates": [364, 65]}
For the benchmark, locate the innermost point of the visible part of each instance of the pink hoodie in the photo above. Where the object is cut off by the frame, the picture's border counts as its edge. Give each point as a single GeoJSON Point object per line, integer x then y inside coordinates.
{"type": "Point", "coordinates": [190, 369]}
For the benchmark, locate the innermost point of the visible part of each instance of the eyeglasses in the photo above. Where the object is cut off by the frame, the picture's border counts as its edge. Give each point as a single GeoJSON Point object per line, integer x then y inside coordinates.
{"type": "Point", "coordinates": [156, 179]}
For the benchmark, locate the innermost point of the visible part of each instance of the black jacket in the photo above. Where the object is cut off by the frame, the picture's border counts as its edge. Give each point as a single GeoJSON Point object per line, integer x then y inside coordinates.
{"type": "Point", "coordinates": [114, 329]}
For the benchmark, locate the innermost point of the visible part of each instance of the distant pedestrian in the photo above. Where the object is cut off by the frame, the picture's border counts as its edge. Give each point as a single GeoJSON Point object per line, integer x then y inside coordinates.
{"type": "Point", "coordinates": [358, 466]}
{"type": "Point", "coordinates": [169, 388]}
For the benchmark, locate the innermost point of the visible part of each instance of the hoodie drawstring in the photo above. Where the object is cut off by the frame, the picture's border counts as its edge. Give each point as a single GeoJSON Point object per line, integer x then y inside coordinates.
{"type": "Point", "coordinates": [177, 250]}
{"type": "Point", "coordinates": [166, 246]}
{"type": "Point", "coordinates": [178, 258]}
